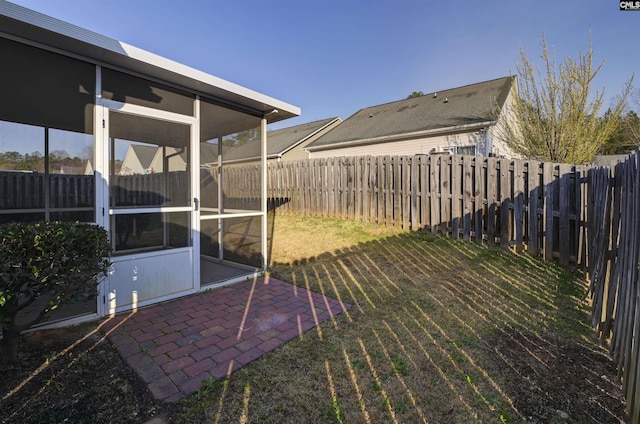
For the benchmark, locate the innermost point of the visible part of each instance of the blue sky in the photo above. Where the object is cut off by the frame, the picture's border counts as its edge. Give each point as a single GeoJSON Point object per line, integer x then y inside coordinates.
{"type": "Point", "coordinates": [332, 58]}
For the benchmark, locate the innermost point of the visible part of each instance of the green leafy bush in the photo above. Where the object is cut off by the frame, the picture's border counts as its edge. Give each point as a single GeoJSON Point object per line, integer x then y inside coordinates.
{"type": "Point", "coordinates": [60, 260]}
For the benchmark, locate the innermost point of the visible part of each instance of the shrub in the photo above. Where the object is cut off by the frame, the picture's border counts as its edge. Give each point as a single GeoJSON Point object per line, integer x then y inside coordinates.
{"type": "Point", "coordinates": [60, 260]}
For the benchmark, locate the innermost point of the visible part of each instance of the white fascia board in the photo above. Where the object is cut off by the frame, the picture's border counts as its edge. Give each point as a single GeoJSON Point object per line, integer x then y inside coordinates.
{"type": "Point", "coordinates": [47, 31]}
{"type": "Point", "coordinates": [205, 78]}
{"type": "Point", "coordinates": [399, 137]}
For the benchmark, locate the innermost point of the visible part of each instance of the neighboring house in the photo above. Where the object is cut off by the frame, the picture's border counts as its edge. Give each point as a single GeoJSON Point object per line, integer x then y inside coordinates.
{"type": "Point", "coordinates": [74, 170]}
{"type": "Point", "coordinates": [460, 120]}
{"type": "Point", "coordinates": [209, 153]}
{"type": "Point", "coordinates": [147, 119]}
{"type": "Point", "coordinates": [609, 160]}
{"type": "Point", "coordinates": [284, 144]}
{"type": "Point", "coordinates": [138, 160]}
{"type": "Point", "coordinates": [141, 159]}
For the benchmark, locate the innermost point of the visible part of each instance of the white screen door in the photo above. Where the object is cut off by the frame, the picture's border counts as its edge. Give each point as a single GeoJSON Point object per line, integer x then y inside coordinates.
{"type": "Point", "coordinates": [151, 207]}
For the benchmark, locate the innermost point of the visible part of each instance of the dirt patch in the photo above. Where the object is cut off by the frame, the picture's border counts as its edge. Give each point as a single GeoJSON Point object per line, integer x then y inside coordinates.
{"type": "Point", "coordinates": [73, 375]}
{"type": "Point", "coordinates": [564, 381]}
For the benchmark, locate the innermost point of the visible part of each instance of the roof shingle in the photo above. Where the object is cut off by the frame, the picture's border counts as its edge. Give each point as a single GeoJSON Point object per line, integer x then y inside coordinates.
{"type": "Point", "coordinates": [469, 104]}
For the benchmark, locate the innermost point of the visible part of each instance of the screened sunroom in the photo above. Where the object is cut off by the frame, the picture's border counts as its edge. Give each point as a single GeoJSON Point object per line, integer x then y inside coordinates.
{"type": "Point", "coordinates": [94, 130]}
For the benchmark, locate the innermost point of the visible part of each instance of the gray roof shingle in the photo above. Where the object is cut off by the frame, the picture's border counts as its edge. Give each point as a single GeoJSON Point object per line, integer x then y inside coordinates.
{"type": "Point", "coordinates": [469, 104]}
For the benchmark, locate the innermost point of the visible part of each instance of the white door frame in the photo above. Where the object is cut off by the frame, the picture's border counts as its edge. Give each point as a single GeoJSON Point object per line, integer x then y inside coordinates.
{"type": "Point", "coordinates": [104, 211]}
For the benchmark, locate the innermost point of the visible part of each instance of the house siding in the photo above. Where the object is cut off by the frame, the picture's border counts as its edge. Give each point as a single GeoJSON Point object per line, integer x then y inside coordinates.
{"type": "Point", "coordinates": [416, 146]}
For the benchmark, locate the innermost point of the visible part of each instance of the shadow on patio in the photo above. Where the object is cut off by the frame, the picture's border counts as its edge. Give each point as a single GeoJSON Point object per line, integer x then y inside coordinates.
{"type": "Point", "coordinates": [175, 346]}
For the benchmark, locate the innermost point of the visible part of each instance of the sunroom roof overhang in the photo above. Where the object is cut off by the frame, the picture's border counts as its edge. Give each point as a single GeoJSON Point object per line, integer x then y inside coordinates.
{"type": "Point", "coordinates": [41, 30]}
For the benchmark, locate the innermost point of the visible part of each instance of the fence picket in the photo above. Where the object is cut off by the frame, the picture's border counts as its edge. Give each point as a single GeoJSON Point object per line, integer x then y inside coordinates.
{"type": "Point", "coordinates": [480, 198]}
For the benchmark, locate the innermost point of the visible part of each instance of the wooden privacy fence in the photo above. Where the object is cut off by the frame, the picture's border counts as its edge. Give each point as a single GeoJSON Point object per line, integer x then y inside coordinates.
{"type": "Point", "coordinates": [525, 205]}
{"type": "Point", "coordinates": [26, 190]}
{"type": "Point", "coordinates": [613, 261]}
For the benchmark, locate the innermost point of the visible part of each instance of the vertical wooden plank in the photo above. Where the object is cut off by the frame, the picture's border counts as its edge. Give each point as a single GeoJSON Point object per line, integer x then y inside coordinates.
{"type": "Point", "coordinates": [564, 249]}
{"type": "Point", "coordinates": [468, 197]}
{"type": "Point", "coordinates": [348, 187]}
{"type": "Point", "coordinates": [331, 186]}
{"type": "Point", "coordinates": [322, 182]}
{"type": "Point", "coordinates": [358, 178]}
{"type": "Point", "coordinates": [455, 195]}
{"type": "Point", "coordinates": [380, 162]}
{"type": "Point", "coordinates": [316, 189]}
{"type": "Point", "coordinates": [405, 162]}
{"type": "Point", "coordinates": [373, 189]}
{"type": "Point", "coordinates": [342, 207]}
{"type": "Point", "coordinates": [364, 189]}
{"type": "Point", "coordinates": [479, 184]}
{"type": "Point", "coordinates": [309, 191]}
{"type": "Point", "coordinates": [434, 187]}
{"type": "Point", "coordinates": [549, 183]}
{"type": "Point", "coordinates": [518, 203]}
{"type": "Point", "coordinates": [396, 191]}
{"type": "Point", "coordinates": [425, 194]}
{"type": "Point", "coordinates": [415, 193]}
{"type": "Point", "coordinates": [505, 203]}
{"type": "Point", "coordinates": [533, 178]}
{"type": "Point", "coordinates": [445, 194]}
{"type": "Point", "coordinates": [302, 187]}
{"type": "Point", "coordinates": [492, 200]}
{"type": "Point", "coordinates": [284, 176]}
{"type": "Point", "coordinates": [581, 219]}
{"type": "Point", "coordinates": [388, 190]}
{"type": "Point", "coordinates": [295, 186]}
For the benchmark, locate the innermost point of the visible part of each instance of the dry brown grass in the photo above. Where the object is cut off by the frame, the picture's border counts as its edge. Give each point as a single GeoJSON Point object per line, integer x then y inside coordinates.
{"type": "Point", "coordinates": [439, 331]}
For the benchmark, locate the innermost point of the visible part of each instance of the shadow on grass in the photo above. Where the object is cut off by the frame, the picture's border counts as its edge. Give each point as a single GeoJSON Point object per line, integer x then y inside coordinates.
{"type": "Point", "coordinates": [439, 331]}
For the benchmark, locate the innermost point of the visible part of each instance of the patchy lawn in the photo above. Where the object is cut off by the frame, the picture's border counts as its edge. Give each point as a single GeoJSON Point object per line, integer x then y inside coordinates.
{"type": "Point", "coordinates": [439, 331]}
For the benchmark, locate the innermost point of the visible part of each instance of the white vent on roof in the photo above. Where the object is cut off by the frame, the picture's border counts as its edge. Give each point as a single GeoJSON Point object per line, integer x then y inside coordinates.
{"type": "Point", "coordinates": [435, 95]}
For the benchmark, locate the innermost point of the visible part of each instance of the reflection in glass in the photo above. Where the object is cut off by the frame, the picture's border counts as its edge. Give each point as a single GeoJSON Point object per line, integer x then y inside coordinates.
{"type": "Point", "coordinates": [21, 166]}
{"type": "Point", "coordinates": [35, 161]}
{"type": "Point", "coordinates": [149, 162]}
{"type": "Point", "coordinates": [71, 216]}
{"type": "Point", "coordinates": [21, 217]}
{"type": "Point", "coordinates": [71, 176]}
{"type": "Point", "coordinates": [150, 231]}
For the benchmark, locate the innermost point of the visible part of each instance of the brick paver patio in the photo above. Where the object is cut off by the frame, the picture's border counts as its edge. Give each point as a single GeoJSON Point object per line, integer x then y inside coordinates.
{"type": "Point", "coordinates": [175, 345]}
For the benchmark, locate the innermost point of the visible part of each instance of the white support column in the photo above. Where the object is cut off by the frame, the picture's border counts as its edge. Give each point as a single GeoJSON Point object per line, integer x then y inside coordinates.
{"type": "Point", "coordinates": [220, 172]}
{"type": "Point", "coordinates": [194, 168]}
{"type": "Point", "coordinates": [263, 162]}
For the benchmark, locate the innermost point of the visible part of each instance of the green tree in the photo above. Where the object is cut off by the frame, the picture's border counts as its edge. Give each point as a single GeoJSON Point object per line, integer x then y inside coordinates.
{"type": "Point", "coordinates": [626, 137]}
{"type": "Point", "coordinates": [241, 137]}
{"type": "Point", "coordinates": [556, 116]}
{"type": "Point", "coordinates": [46, 265]}
{"type": "Point", "coordinates": [415, 94]}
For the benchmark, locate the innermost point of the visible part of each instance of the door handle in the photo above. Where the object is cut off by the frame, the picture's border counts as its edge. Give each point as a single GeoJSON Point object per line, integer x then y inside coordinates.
{"type": "Point", "coordinates": [196, 203]}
